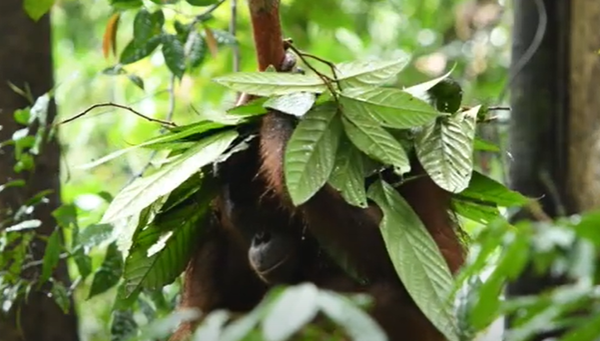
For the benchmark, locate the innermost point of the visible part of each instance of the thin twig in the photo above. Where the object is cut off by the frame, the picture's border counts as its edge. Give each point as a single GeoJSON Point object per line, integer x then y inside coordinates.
{"type": "Point", "coordinates": [326, 80]}
{"type": "Point", "coordinates": [110, 104]}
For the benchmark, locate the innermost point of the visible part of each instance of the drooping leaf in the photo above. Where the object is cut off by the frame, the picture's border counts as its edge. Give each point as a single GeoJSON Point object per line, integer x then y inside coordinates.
{"type": "Point", "coordinates": [368, 72]}
{"type": "Point", "coordinates": [137, 80]}
{"type": "Point", "coordinates": [271, 83]}
{"type": "Point", "coordinates": [355, 322]}
{"type": "Point", "coordinates": [296, 104]}
{"type": "Point", "coordinates": [310, 152]}
{"type": "Point", "coordinates": [416, 258]}
{"type": "Point", "coordinates": [161, 251]}
{"type": "Point", "coordinates": [279, 325]}
{"type": "Point", "coordinates": [35, 9]}
{"type": "Point", "coordinates": [51, 255]}
{"type": "Point", "coordinates": [109, 273]}
{"type": "Point", "coordinates": [348, 175]}
{"type": "Point", "coordinates": [134, 52]}
{"type": "Point", "coordinates": [390, 107]}
{"type": "Point", "coordinates": [445, 149]}
{"type": "Point", "coordinates": [144, 191]}
{"type": "Point", "coordinates": [487, 190]}
{"type": "Point", "coordinates": [109, 40]}
{"type": "Point", "coordinates": [195, 49]}
{"type": "Point", "coordinates": [172, 50]}
{"type": "Point", "coordinates": [369, 137]}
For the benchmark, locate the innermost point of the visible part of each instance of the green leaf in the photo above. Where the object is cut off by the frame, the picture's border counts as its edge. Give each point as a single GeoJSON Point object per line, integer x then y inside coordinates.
{"type": "Point", "coordinates": [174, 55]}
{"type": "Point", "coordinates": [279, 324]}
{"type": "Point", "coordinates": [421, 90]}
{"type": "Point", "coordinates": [61, 296]}
{"type": "Point", "coordinates": [252, 108]}
{"type": "Point", "coordinates": [348, 175]}
{"type": "Point", "coordinates": [272, 83]}
{"type": "Point", "coordinates": [487, 190]}
{"type": "Point", "coordinates": [483, 214]}
{"type": "Point", "coordinates": [109, 273]}
{"type": "Point", "coordinates": [445, 149]}
{"type": "Point", "coordinates": [296, 104]}
{"type": "Point", "coordinates": [485, 146]}
{"type": "Point", "coordinates": [416, 258]}
{"type": "Point", "coordinates": [134, 52]}
{"type": "Point", "coordinates": [368, 136]}
{"type": "Point", "coordinates": [161, 251]}
{"type": "Point", "coordinates": [390, 107]}
{"type": "Point", "coordinates": [201, 2]}
{"type": "Point", "coordinates": [83, 262]}
{"type": "Point", "coordinates": [223, 37]}
{"type": "Point", "coordinates": [373, 72]}
{"type": "Point", "coordinates": [126, 4]}
{"type": "Point", "coordinates": [51, 255]}
{"type": "Point", "coordinates": [195, 49]}
{"type": "Point", "coordinates": [147, 25]}
{"type": "Point", "coordinates": [176, 135]}
{"type": "Point", "coordinates": [356, 323]}
{"type": "Point", "coordinates": [310, 152]}
{"type": "Point", "coordinates": [94, 235]}
{"type": "Point", "coordinates": [35, 9]}
{"type": "Point", "coordinates": [144, 191]}
{"type": "Point", "coordinates": [137, 80]}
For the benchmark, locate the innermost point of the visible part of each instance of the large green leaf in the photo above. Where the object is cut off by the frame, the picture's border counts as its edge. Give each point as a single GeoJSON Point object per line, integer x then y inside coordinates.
{"type": "Point", "coordinates": [445, 149]}
{"type": "Point", "coordinates": [348, 175]}
{"type": "Point", "coordinates": [368, 72]}
{"type": "Point", "coordinates": [487, 190]}
{"type": "Point", "coordinates": [483, 214]}
{"type": "Point", "coordinates": [136, 51]}
{"type": "Point", "coordinates": [392, 108]}
{"type": "Point", "coordinates": [272, 83]}
{"type": "Point", "coordinates": [310, 152]}
{"type": "Point", "coordinates": [147, 25]}
{"type": "Point", "coordinates": [144, 191]}
{"type": "Point", "coordinates": [416, 258]}
{"type": "Point", "coordinates": [279, 324]}
{"type": "Point", "coordinates": [368, 136]}
{"type": "Point", "coordinates": [420, 90]}
{"type": "Point", "coordinates": [161, 251]}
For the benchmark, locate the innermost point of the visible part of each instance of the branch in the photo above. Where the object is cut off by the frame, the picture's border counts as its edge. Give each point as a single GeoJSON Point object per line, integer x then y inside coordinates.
{"type": "Point", "coordinates": [102, 105]}
{"type": "Point", "coordinates": [266, 28]}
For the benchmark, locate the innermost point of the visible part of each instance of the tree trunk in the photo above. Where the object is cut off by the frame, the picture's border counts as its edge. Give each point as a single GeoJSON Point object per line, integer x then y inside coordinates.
{"type": "Point", "coordinates": [26, 59]}
{"type": "Point", "coordinates": [555, 126]}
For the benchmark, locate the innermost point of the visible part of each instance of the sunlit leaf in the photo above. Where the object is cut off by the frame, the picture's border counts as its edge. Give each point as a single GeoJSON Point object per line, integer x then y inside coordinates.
{"type": "Point", "coordinates": [481, 213]}
{"type": "Point", "coordinates": [126, 4]}
{"type": "Point", "coordinates": [144, 191]}
{"type": "Point", "coordinates": [420, 90]}
{"type": "Point", "coordinates": [147, 25]}
{"type": "Point", "coordinates": [368, 72]}
{"type": "Point", "coordinates": [201, 2]}
{"type": "Point", "coordinates": [445, 149]}
{"type": "Point", "coordinates": [416, 258]}
{"type": "Point", "coordinates": [134, 52]}
{"type": "Point", "coordinates": [390, 107]}
{"type": "Point", "coordinates": [37, 8]}
{"type": "Point", "coordinates": [485, 146]}
{"type": "Point", "coordinates": [271, 83]}
{"type": "Point", "coordinates": [376, 142]}
{"type": "Point", "coordinates": [279, 325]}
{"type": "Point", "coordinates": [195, 49]}
{"type": "Point", "coordinates": [487, 190]}
{"type": "Point", "coordinates": [296, 104]}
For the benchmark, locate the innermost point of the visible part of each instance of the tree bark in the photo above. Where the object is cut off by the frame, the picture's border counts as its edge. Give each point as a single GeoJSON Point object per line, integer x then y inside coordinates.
{"type": "Point", "coordinates": [26, 59]}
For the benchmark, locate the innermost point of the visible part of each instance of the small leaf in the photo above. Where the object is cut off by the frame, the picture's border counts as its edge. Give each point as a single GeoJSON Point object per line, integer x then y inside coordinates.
{"type": "Point", "coordinates": [392, 108]}
{"type": "Point", "coordinates": [279, 325]}
{"type": "Point", "coordinates": [174, 55]}
{"type": "Point", "coordinates": [271, 83]}
{"type": "Point", "coordinates": [487, 190]}
{"type": "Point", "coordinates": [356, 323]}
{"type": "Point", "coordinates": [195, 49]}
{"type": "Point", "coordinates": [416, 258]}
{"type": "Point", "coordinates": [224, 37]}
{"type": "Point", "coordinates": [61, 296]}
{"type": "Point", "coordinates": [211, 42]}
{"type": "Point", "coordinates": [310, 152]}
{"type": "Point", "coordinates": [109, 40]}
{"type": "Point", "coordinates": [252, 108]}
{"type": "Point", "coordinates": [109, 273]}
{"type": "Point", "coordinates": [37, 8]}
{"type": "Point", "coordinates": [201, 2]}
{"type": "Point", "coordinates": [147, 25]}
{"type": "Point", "coordinates": [445, 149]}
{"type": "Point", "coordinates": [134, 52]}
{"type": "Point", "coordinates": [360, 73]}
{"type": "Point", "coordinates": [137, 80]}
{"type": "Point", "coordinates": [368, 136]}
{"type": "Point", "coordinates": [296, 104]}
{"type": "Point", "coordinates": [348, 175]}
{"type": "Point", "coordinates": [83, 262]}
{"type": "Point", "coordinates": [420, 90]}
{"type": "Point", "coordinates": [51, 256]}
{"type": "Point", "coordinates": [144, 191]}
